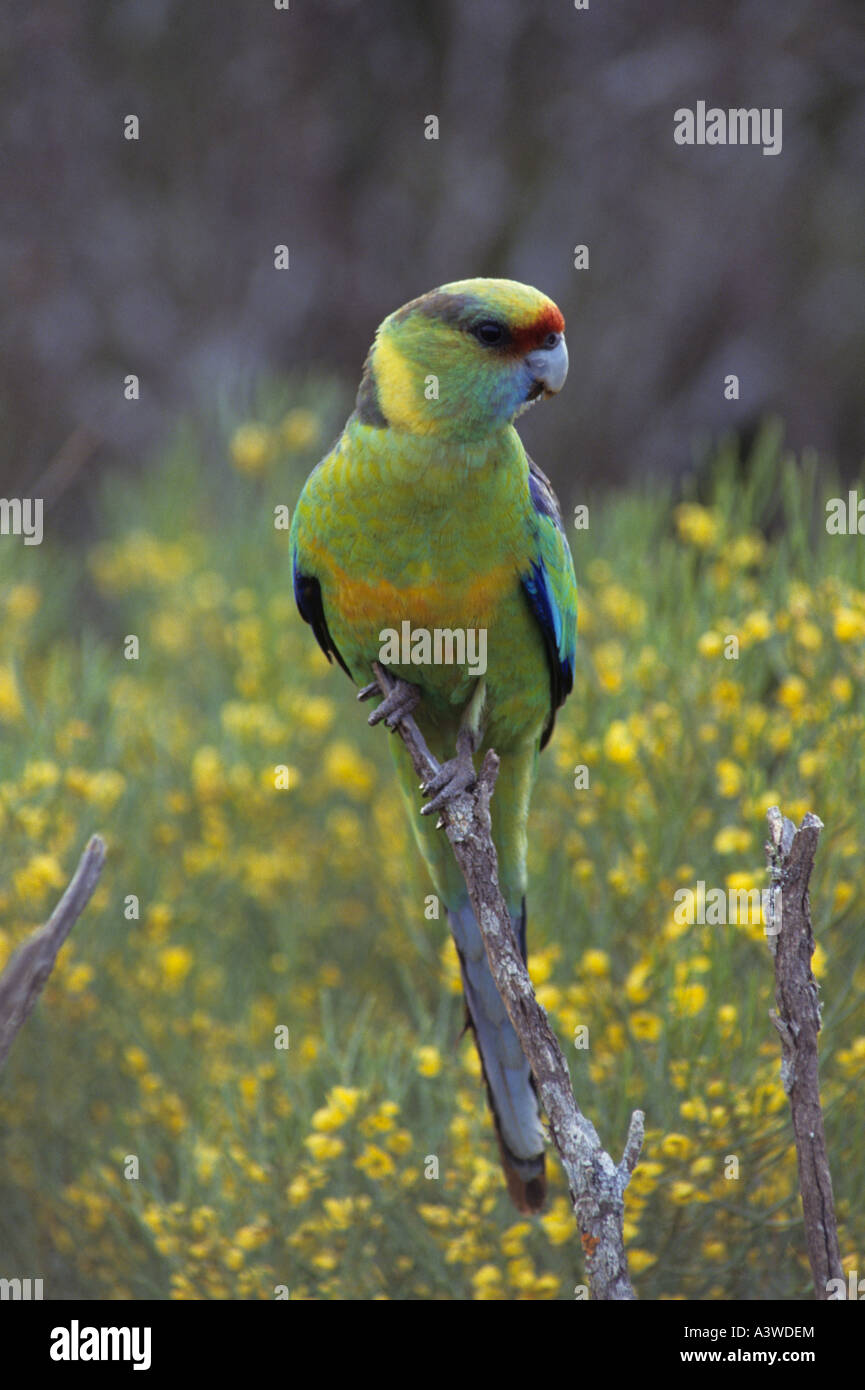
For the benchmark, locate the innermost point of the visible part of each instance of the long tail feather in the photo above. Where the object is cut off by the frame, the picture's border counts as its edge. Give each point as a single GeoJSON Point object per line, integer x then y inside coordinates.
{"type": "Point", "coordinates": [507, 1074]}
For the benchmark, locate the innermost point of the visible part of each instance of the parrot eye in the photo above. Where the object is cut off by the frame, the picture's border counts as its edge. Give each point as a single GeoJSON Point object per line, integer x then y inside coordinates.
{"type": "Point", "coordinates": [551, 340]}
{"type": "Point", "coordinates": [489, 332]}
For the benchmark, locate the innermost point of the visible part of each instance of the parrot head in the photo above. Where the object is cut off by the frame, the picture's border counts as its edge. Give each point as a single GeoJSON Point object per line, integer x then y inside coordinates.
{"type": "Point", "coordinates": [464, 360]}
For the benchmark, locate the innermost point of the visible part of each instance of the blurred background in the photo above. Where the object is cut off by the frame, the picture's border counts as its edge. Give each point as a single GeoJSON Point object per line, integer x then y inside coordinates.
{"type": "Point", "coordinates": [231, 905]}
{"type": "Point", "coordinates": [260, 127]}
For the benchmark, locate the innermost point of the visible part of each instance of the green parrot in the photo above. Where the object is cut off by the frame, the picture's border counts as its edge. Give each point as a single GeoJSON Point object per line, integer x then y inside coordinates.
{"type": "Point", "coordinates": [428, 517]}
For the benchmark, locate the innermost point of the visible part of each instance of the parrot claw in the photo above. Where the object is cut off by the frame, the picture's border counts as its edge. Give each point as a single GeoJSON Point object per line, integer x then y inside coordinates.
{"type": "Point", "coordinates": [453, 778]}
{"type": "Point", "coordinates": [399, 702]}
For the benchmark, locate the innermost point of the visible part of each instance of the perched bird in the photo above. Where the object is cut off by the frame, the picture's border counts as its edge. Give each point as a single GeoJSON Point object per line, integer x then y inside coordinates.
{"type": "Point", "coordinates": [428, 512]}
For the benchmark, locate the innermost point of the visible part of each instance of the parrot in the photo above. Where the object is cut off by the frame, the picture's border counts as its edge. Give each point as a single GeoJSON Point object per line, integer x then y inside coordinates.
{"type": "Point", "coordinates": [428, 512]}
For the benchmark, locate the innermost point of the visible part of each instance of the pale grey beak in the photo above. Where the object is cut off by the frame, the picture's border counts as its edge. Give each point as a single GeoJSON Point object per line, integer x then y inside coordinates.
{"type": "Point", "coordinates": [549, 365]}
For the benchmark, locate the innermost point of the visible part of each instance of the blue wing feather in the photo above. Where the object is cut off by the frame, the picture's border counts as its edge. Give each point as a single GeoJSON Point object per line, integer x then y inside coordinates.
{"type": "Point", "coordinates": [550, 586]}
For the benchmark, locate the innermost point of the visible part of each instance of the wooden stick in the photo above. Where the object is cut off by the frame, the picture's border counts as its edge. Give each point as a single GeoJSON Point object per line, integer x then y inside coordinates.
{"type": "Point", "coordinates": [597, 1185]}
{"type": "Point", "coordinates": [32, 963]}
{"type": "Point", "coordinates": [797, 1018]}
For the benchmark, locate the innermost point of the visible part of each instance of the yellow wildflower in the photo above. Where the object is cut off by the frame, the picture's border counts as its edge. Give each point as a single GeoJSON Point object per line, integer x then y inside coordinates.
{"type": "Point", "coordinates": [849, 625]}
{"type": "Point", "coordinates": [792, 692]}
{"type": "Point", "coordinates": [11, 706]}
{"type": "Point", "coordinates": [346, 770]}
{"type": "Point", "coordinates": [596, 963]}
{"type": "Point", "coordinates": [730, 778]}
{"type": "Point", "coordinates": [79, 977]}
{"type": "Point", "coordinates": [694, 1109]}
{"type": "Point", "coordinates": [299, 1190]}
{"type": "Point", "coordinates": [619, 745]}
{"type": "Point", "coordinates": [732, 839]}
{"type": "Point", "coordinates": [486, 1278]}
{"type": "Point", "coordinates": [39, 775]}
{"type": "Point", "coordinates": [683, 1192]}
{"type": "Point", "coordinates": [645, 1178]}
{"type": "Point", "coordinates": [41, 874]}
{"type": "Point", "coordinates": [697, 525]}
{"type": "Point", "coordinates": [429, 1062]}
{"type": "Point", "coordinates": [689, 999]}
{"type": "Point", "coordinates": [676, 1146]}
{"type": "Point", "coordinates": [399, 1142]}
{"type": "Point", "coordinates": [316, 712]}
{"type": "Point", "coordinates": [300, 429]}
{"type": "Point", "coordinates": [841, 688]}
{"type": "Point", "coordinates": [646, 1027]}
{"type": "Point", "coordinates": [746, 551]}
{"type": "Point", "coordinates": [559, 1222]}
{"type": "Point", "coordinates": [636, 987]}
{"type": "Point", "coordinates": [251, 449]}
{"type": "Point", "coordinates": [375, 1162]}
{"type": "Point", "coordinates": [340, 1212]}
{"type": "Point", "coordinates": [435, 1215]}
{"type": "Point", "coordinates": [710, 644]}
{"type": "Point", "coordinates": [809, 636]}
{"type": "Point", "coordinates": [22, 601]}
{"type": "Point", "coordinates": [757, 626]}
{"type": "Point", "coordinates": [176, 963]}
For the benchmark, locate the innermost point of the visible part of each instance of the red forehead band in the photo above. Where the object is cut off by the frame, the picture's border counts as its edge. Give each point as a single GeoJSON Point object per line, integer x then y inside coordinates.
{"type": "Point", "coordinates": [533, 334]}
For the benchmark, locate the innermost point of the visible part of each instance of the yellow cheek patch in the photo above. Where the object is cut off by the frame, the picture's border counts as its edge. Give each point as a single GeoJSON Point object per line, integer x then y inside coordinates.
{"type": "Point", "coordinates": [396, 388]}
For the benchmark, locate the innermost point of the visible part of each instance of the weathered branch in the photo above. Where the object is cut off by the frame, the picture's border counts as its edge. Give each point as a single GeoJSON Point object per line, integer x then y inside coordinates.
{"type": "Point", "coordinates": [597, 1185]}
{"type": "Point", "coordinates": [32, 963]}
{"type": "Point", "coordinates": [797, 1018]}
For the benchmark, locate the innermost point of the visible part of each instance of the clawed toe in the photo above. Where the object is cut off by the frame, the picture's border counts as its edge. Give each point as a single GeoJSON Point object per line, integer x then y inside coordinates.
{"type": "Point", "coordinates": [398, 702]}
{"type": "Point", "coordinates": [453, 778]}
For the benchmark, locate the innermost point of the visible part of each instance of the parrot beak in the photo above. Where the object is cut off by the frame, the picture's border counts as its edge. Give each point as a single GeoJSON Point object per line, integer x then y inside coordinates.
{"type": "Point", "coordinates": [549, 367]}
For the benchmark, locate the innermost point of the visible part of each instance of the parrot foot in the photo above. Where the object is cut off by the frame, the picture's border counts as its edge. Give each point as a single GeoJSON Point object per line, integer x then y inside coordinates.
{"type": "Point", "coordinates": [401, 700]}
{"type": "Point", "coordinates": [453, 778]}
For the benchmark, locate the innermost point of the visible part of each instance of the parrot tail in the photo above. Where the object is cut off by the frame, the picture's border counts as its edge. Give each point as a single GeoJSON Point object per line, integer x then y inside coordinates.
{"type": "Point", "coordinates": [508, 1077]}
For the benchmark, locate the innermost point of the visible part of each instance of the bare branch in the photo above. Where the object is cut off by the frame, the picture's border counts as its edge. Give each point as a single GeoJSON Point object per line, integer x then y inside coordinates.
{"type": "Point", "coordinates": [791, 939]}
{"type": "Point", "coordinates": [633, 1145]}
{"type": "Point", "coordinates": [597, 1185]}
{"type": "Point", "coordinates": [32, 963]}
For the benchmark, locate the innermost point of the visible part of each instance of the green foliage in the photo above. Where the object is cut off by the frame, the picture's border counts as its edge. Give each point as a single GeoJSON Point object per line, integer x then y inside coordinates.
{"type": "Point", "coordinates": [304, 907]}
